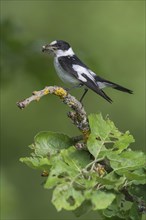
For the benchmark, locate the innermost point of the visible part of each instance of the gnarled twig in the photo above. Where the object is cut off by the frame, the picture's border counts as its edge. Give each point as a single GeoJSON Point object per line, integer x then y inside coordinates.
{"type": "Point", "coordinates": [78, 115]}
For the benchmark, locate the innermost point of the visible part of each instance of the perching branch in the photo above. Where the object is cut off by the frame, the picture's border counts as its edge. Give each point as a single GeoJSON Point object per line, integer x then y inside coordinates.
{"type": "Point", "coordinates": [78, 115]}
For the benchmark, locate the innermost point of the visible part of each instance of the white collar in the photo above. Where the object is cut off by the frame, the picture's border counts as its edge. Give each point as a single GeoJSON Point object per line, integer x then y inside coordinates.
{"type": "Point", "coordinates": [60, 53]}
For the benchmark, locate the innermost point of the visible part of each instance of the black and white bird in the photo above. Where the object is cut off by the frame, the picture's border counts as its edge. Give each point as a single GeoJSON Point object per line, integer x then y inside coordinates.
{"type": "Point", "coordinates": [72, 70]}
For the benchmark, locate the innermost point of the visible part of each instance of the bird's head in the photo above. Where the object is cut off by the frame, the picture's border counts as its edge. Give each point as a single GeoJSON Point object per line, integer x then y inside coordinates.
{"type": "Point", "coordinates": [58, 48]}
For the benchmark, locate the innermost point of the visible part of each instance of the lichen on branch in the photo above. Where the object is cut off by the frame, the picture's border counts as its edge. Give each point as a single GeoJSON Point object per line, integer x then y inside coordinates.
{"type": "Point", "coordinates": [77, 115]}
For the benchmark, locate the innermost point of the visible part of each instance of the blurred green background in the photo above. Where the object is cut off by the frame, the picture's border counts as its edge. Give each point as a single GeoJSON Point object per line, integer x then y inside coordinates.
{"type": "Point", "coordinates": [109, 36]}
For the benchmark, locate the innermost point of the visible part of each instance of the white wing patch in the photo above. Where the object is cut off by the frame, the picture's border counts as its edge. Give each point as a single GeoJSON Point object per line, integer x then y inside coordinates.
{"type": "Point", "coordinates": [92, 73]}
{"type": "Point", "coordinates": [82, 78]}
{"type": "Point", "coordinates": [82, 70]}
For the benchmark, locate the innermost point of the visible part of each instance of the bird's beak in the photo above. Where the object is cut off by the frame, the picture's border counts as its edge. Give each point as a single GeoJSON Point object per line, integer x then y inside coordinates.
{"type": "Point", "coordinates": [48, 48]}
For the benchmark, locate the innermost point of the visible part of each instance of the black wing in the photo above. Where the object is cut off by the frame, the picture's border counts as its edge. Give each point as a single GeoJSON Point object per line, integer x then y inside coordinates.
{"type": "Point", "coordinates": [93, 85]}
{"type": "Point", "coordinates": [67, 62]}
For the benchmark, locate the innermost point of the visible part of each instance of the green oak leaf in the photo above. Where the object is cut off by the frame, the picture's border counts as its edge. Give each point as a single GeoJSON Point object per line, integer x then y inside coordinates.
{"type": "Point", "coordinates": [99, 199]}
{"type": "Point", "coordinates": [60, 172]}
{"type": "Point", "coordinates": [76, 158]}
{"type": "Point", "coordinates": [95, 146]}
{"type": "Point", "coordinates": [66, 197]}
{"type": "Point", "coordinates": [123, 142]}
{"type": "Point", "coordinates": [99, 127]}
{"type": "Point", "coordinates": [47, 143]}
{"type": "Point", "coordinates": [36, 162]}
{"type": "Point", "coordinates": [127, 160]}
{"type": "Point", "coordinates": [137, 177]}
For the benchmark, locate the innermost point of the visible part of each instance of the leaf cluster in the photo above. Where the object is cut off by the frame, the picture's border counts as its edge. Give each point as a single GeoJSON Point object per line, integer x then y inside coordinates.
{"type": "Point", "coordinates": [107, 176]}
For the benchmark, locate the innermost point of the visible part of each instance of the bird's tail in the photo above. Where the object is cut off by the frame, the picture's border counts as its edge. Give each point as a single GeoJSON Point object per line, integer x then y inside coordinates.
{"type": "Point", "coordinates": [121, 88]}
{"type": "Point", "coordinates": [114, 85]}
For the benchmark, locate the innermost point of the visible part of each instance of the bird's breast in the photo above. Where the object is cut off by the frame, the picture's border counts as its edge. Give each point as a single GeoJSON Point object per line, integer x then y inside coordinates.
{"type": "Point", "coordinates": [64, 75]}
